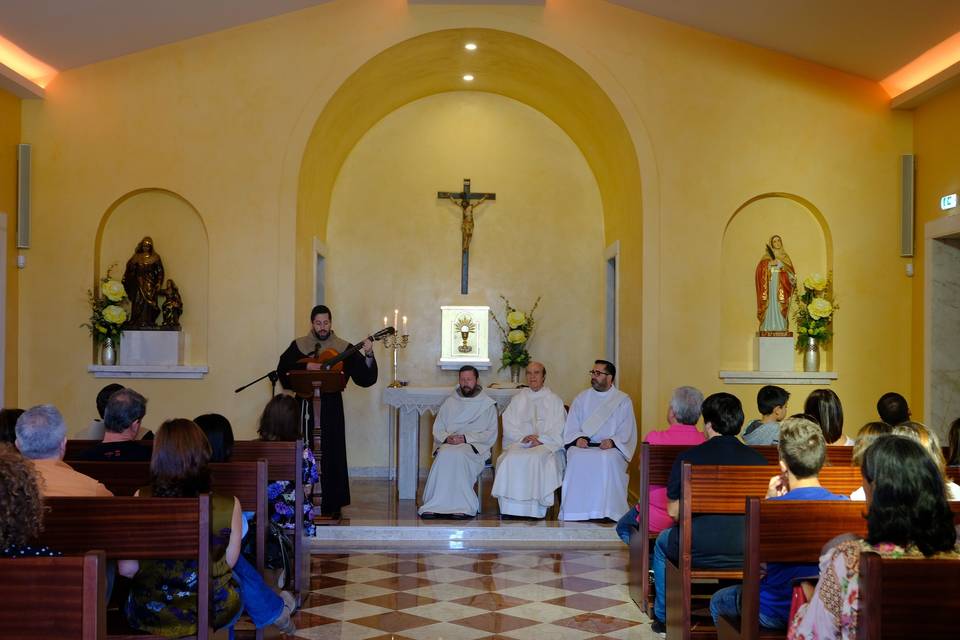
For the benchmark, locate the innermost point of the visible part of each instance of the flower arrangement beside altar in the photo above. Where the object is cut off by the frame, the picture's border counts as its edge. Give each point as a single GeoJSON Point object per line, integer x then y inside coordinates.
{"type": "Point", "coordinates": [107, 314]}
{"type": "Point", "coordinates": [516, 331]}
{"type": "Point", "coordinates": [815, 307]}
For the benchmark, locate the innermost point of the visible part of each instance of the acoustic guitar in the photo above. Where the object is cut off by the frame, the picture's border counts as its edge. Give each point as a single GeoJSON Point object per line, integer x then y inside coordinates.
{"type": "Point", "coordinates": [332, 360]}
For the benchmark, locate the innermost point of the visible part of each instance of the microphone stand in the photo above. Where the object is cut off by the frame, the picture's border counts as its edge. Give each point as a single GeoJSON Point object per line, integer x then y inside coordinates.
{"type": "Point", "coordinates": [273, 375]}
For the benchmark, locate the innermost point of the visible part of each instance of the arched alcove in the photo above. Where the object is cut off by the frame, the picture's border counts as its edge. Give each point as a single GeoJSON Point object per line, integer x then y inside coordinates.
{"type": "Point", "coordinates": [507, 64]}
{"type": "Point", "coordinates": [399, 246]}
{"type": "Point", "coordinates": [806, 239]}
{"type": "Point", "coordinates": [180, 238]}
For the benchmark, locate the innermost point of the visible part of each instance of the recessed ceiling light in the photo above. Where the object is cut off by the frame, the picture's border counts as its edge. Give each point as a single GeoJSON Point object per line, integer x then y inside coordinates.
{"type": "Point", "coordinates": [470, 46]}
{"type": "Point", "coordinates": [468, 77]}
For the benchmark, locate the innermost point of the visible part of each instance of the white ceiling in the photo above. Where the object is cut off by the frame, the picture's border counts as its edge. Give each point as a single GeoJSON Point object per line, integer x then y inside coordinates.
{"type": "Point", "coordinates": [870, 38]}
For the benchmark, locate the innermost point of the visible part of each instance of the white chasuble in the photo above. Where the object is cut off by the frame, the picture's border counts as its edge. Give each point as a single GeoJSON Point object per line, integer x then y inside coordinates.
{"type": "Point", "coordinates": [455, 467]}
{"type": "Point", "coordinates": [595, 482]}
{"type": "Point", "coordinates": [527, 476]}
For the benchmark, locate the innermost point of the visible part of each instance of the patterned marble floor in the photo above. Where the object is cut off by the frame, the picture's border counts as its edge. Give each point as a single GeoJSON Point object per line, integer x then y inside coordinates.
{"type": "Point", "coordinates": [470, 596]}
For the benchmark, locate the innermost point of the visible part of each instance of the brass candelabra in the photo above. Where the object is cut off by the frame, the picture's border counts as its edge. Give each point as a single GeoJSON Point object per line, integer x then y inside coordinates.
{"type": "Point", "coordinates": [395, 343]}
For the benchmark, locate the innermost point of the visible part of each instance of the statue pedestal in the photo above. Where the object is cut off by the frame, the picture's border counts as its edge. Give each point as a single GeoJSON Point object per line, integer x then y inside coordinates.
{"type": "Point", "coordinates": [771, 353]}
{"type": "Point", "coordinates": [154, 347]}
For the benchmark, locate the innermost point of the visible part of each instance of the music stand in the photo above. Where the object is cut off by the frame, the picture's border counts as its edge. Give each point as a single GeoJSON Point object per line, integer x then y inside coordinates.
{"type": "Point", "coordinates": [311, 385]}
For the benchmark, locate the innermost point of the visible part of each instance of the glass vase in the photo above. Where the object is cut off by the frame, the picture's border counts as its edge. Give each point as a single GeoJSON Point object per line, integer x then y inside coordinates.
{"type": "Point", "coordinates": [108, 353]}
{"type": "Point", "coordinates": [811, 356]}
{"type": "Point", "coordinates": [515, 373]}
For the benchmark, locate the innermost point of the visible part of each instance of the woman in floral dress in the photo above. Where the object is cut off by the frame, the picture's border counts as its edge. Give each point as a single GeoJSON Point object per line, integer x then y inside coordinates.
{"type": "Point", "coordinates": [280, 421]}
{"type": "Point", "coordinates": [908, 517]}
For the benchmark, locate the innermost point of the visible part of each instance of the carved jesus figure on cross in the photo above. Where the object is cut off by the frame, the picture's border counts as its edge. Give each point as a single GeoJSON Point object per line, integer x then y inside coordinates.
{"type": "Point", "coordinates": [467, 202]}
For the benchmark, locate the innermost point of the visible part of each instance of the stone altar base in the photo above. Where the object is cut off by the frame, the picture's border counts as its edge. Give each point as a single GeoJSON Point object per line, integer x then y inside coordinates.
{"type": "Point", "coordinates": [156, 347]}
{"type": "Point", "coordinates": [774, 353]}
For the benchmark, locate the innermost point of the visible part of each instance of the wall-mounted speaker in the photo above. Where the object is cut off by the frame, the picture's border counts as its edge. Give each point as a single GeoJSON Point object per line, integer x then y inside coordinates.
{"type": "Point", "coordinates": [23, 196]}
{"type": "Point", "coordinates": [908, 168]}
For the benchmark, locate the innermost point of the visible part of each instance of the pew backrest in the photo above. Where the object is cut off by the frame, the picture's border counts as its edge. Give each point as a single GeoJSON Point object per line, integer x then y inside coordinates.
{"type": "Point", "coordinates": [247, 481]}
{"type": "Point", "coordinates": [902, 598]}
{"type": "Point", "coordinates": [76, 448]}
{"type": "Point", "coordinates": [53, 598]}
{"type": "Point", "coordinates": [285, 462]}
{"type": "Point", "coordinates": [136, 528]}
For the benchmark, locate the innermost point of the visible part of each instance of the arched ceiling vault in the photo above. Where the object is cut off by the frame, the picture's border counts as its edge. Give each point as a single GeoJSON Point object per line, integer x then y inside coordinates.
{"type": "Point", "coordinates": [504, 63]}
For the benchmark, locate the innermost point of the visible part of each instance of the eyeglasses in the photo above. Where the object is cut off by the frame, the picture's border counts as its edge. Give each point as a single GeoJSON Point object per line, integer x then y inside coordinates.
{"type": "Point", "coordinates": [595, 373]}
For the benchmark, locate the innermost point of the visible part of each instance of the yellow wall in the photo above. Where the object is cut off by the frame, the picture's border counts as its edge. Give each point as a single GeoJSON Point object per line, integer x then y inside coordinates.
{"type": "Point", "coordinates": [392, 244]}
{"type": "Point", "coordinates": [9, 138]}
{"type": "Point", "coordinates": [225, 121]}
{"type": "Point", "coordinates": [938, 173]}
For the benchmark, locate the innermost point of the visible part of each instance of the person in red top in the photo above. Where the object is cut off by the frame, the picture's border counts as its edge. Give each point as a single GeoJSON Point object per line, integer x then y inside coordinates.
{"type": "Point", "coordinates": [682, 416]}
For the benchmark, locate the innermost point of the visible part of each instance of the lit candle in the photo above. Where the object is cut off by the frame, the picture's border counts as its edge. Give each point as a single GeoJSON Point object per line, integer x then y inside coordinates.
{"type": "Point", "coordinates": [395, 313]}
{"type": "Point", "coordinates": [384, 322]}
{"type": "Point", "coordinates": [404, 325]}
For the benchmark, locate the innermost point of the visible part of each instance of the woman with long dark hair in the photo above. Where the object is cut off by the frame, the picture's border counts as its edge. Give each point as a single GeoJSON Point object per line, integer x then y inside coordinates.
{"type": "Point", "coordinates": [280, 421]}
{"type": "Point", "coordinates": [163, 593]}
{"type": "Point", "coordinates": [823, 405]}
{"type": "Point", "coordinates": [908, 516]}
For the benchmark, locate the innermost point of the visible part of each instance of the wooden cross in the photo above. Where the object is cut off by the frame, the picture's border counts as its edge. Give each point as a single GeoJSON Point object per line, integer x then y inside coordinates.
{"type": "Point", "coordinates": [467, 202]}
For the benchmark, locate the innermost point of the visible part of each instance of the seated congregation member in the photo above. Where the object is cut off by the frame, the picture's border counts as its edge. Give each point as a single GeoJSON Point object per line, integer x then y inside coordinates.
{"type": "Point", "coordinates": [893, 409]}
{"type": "Point", "coordinates": [21, 506]}
{"type": "Point", "coordinates": [931, 444]}
{"type": "Point", "coordinates": [163, 593]}
{"type": "Point", "coordinates": [867, 435]}
{"type": "Point", "coordinates": [803, 452]}
{"type": "Point", "coordinates": [262, 605]}
{"type": "Point", "coordinates": [682, 416]}
{"type": "Point", "coordinates": [122, 418]}
{"type": "Point", "coordinates": [823, 405]}
{"type": "Point", "coordinates": [953, 443]}
{"type": "Point", "coordinates": [42, 438]}
{"type": "Point", "coordinates": [219, 434]}
{"type": "Point", "coordinates": [600, 437]}
{"type": "Point", "coordinates": [907, 516]}
{"type": "Point", "coordinates": [95, 430]}
{"type": "Point", "coordinates": [531, 466]}
{"type": "Point", "coordinates": [717, 539]}
{"type": "Point", "coordinates": [8, 424]}
{"type": "Point", "coordinates": [463, 433]}
{"type": "Point", "coordinates": [280, 421]}
{"type": "Point", "coordinates": [772, 405]}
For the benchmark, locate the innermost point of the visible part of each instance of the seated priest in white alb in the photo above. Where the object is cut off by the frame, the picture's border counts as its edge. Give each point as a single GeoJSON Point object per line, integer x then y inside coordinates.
{"type": "Point", "coordinates": [600, 437]}
{"type": "Point", "coordinates": [531, 466]}
{"type": "Point", "coordinates": [464, 431]}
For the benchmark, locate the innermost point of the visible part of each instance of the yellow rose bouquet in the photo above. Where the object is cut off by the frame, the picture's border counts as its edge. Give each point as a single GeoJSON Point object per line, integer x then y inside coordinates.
{"type": "Point", "coordinates": [815, 308]}
{"type": "Point", "coordinates": [516, 332]}
{"type": "Point", "coordinates": [107, 313]}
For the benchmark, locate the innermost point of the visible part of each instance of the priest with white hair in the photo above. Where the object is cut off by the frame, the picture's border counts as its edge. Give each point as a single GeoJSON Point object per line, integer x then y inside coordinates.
{"type": "Point", "coordinates": [463, 433]}
{"type": "Point", "coordinates": [600, 437]}
{"type": "Point", "coordinates": [531, 466]}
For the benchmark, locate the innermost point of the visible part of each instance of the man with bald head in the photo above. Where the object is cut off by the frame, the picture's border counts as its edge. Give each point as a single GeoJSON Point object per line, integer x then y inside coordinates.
{"type": "Point", "coordinates": [531, 466]}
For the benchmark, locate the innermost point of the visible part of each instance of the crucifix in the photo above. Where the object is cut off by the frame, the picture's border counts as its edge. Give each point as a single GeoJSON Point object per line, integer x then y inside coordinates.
{"type": "Point", "coordinates": [467, 202]}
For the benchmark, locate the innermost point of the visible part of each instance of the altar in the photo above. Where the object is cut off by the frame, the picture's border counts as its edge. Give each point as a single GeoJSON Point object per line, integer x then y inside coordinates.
{"type": "Point", "coordinates": [411, 403]}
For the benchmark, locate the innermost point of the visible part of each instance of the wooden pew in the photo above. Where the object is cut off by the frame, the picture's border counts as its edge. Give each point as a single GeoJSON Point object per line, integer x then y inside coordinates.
{"type": "Point", "coordinates": [710, 489]}
{"type": "Point", "coordinates": [907, 598]}
{"type": "Point", "coordinates": [76, 448]}
{"type": "Point", "coordinates": [53, 598]}
{"type": "Point", "coordinates": [793, 531]}
{"type": "Point", "coordinates": [247, 481]}
{"type": "Point", "coordinates": [656, 461]}
{"type": "Point", "coordinates": [284, 462]}
{"type": "Point", "coordinates": [136, 528]}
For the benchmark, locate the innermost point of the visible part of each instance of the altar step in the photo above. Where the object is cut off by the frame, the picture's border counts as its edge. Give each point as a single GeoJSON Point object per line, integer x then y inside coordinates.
{"type": "Point", "coordinates": [472, 535]}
